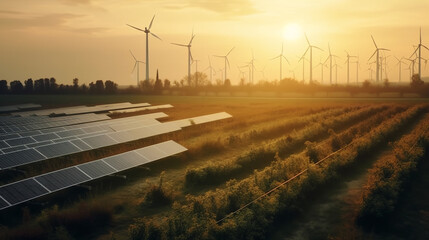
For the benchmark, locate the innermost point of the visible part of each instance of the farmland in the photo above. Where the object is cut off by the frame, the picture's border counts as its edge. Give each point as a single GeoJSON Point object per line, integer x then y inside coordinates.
{"type": "Point", "coordinates": [263, 173]}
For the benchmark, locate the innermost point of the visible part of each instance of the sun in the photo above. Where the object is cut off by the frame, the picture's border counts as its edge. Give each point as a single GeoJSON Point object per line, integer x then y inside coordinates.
{"type": "Point", "coordinates": [292, 31]}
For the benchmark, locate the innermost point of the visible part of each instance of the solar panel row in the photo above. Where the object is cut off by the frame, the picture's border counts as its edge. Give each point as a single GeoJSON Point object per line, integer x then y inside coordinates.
{"type": "Point", "coordinates": [34, 123]}
{"type": "Point", "coordinates": [38, 153]}
{"type": "Point", "coordinates": [201, 119]}
{"type": "Point", "coordinates": [31, 188]}
{"type": "Point", "coordinates": [12, 108]}
{"type": "Point", "coordinates": [82, 109]}
{"type": "Point", "coordinates": [142, 109]}
{"type": "Point", "coordinates": [78, 131]}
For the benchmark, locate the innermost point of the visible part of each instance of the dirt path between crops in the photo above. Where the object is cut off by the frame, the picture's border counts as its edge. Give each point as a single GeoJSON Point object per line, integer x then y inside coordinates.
{"type": "Point", "coordinates": [331, 213]}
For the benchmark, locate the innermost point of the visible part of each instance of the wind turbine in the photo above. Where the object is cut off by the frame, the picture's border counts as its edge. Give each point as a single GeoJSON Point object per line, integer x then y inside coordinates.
{"type": "Point", "coordinates": [281, 57]}
{"type": "Point", "coordinates": [226, 59]}
{"type": "Point", "coordinates": [357, 69]}
{"type": "Point", "coordinates": [348, 66]}
{"type": "Point", "coordinates": [136, 64]}
{"type": "Point", "coordinates": [322, 65]}
{"type": "Point", "coordinates": [336, 72]}
{"type": "Point", "coordinates": [147, 31]}
{"type": "Point", "coordinates": [189, 45]}
{"type": "Point", "coordinates": [310, 47]}
{"type": "Point", "coordinates": [377, 51]}
{"type": "Point", "coordinates": [211, 69]}
{"type": "Point", "coordinates": [419, 47]}
{"type": "Point", "coordinates": [412, 63]}
{"type": "Point", "coordinates": [330, 56]}
{"type": "Point", "coordinates": [252, 68]}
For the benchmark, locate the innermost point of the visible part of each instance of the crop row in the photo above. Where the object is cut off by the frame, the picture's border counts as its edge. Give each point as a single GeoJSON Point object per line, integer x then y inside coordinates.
{"type": "Point", "coordinates": [389, 176]}
{"type": "Point", "coordinates": [197, 218]}
{"type": "Point", "coordinates": [218, 172]}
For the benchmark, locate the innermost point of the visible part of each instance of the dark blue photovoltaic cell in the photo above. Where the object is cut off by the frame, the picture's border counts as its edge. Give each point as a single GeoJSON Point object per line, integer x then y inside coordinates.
{"type": "Point", "coordinates": [14, 159]}
{"type": "Point", "coordinates": [96, 169]}
{"type": "Point", "coordinates": [20, 141]}
{"type": "Point", "coordinates": [58, 149]}
{"type": "Point", "coordinates": [99, 141]}
{"type": "Point", "coordinates": [63, 178]}
{"type": "Point", "coordinates": [45, 137]}
{"type": "Point", "coordinates": [3, 145]}
{"type": "Point", "coordinates": [22, 191]}
{"type": "Point", "coordinates": [125, 161]}
{"type": "Point", "coordinates": [70, 133]}
{"type": "Point", "coordinates": [3, 204]}
{"type": "Point", "coordinates": [13, 149]}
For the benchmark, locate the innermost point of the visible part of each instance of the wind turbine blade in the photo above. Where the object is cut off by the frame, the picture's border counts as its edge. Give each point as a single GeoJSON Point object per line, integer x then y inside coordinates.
{"type": "Point", "coordinates": [230, 51]}
{"type": "Point", "coordinates": [397, 59]}
{"type": "Point", "coordinates": [141, 62]}
{"type": "Point", "coordinates": [286, 59]}
{"type": "Point", "coordinates": [374, 42]}
{"type": "Point", "coordinates": [384, 49]}
{"type": "Point", "coordinates": [135, 65]}
{"type": "Point", "coordinates": [424, 46]}
{"type": "Point", "coordinates": [414, 52]}
{"type": "Point", "coordinates": [227, 61]}
{"type": "Point", "coordinates": [135, 27]}
{"type": "Point", "coordinates": [192, 59]}
{"type": "Point", "coordinates": [306, 38]}
{"type": "Point", "coordinates": [151, 21]}
{"type": "Point", "coordinates": [156, 36]}
{"type": "Point", "coordinates": [318, 48]}
{"type": "Point", "coordinates": [210, 62]}
{"type": "Point", "coordinates": [282, 50]}
{"type": "Point", "coordinates": [192, 38]}
{"type": "Point", "coordinates": [133, 55]}
{"type": "Point", "coordinates": [326, 60]}
{"type": "Point", "coordinates": [182, 45]}
{"type": "Point", "coordinates": [306, 51]}
{"type": "Point", "coordinates": [218, 56]}
{"type": "Point", "coordinates": [329, 46]}
{"type": "Point", "coordinates": [373, 55]}
{"type": "Point", "coordinates": [276, 57]}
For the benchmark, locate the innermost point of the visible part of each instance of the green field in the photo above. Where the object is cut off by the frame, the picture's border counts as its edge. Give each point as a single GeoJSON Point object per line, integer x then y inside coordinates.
{"type": "Point", "coordinates": [342, 168]}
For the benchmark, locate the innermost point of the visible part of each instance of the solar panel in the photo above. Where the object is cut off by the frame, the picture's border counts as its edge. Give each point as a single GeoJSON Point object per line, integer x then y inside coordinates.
{"type": "Point", "coordinates": [125, 161]}
{"type": "Point", "coordinates": [3, 145]}
{"type": "Point", "coordinates": [13, 149]}
{"type": "Point", "coordinates": [38, 186]}
{"type": "Point", "coordinates": [151, 154]}
{"type": "Point", "coordinates": [99, 141]}
{"type": "Point", "coordinates": [96, 169]}
{"type": "Point", "coordinates": [70, 133]}
{"type": "Point", "coordinates": [20, 141]}
{"type": "Point", "coordinates": [64, 178]}
{"type": "Point", "coordinates": [58, 149]}
{"type": "Point", "coordinates": [13, 159]}
{"type": "Point", "coordinates": [22, 191]}
{"type": "Point", "coordinates": [80, 144]}
{"type": "Point", "coordinates": [45, 137]}
{"type": "Point", "coordinates": [33, 145]}
{"type": "Point", "coordinates": [9, 136]}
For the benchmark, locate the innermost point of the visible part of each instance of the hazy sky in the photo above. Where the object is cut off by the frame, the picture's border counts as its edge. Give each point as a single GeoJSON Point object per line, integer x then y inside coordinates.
{"type": "Point", "coordinates": [89, 39]}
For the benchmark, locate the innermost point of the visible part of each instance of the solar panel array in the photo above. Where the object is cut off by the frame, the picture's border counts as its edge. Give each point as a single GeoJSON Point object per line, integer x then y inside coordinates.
{"type": "Point", "coordinates": [30, 188]}
{"type": "Point", "coordinates": [19, 107]}
{"type": "Point", "coordinates": [34, 136]}
{"type": "Point", "coordinates": [82, 109]}
{"type": "Point", "coordinates": [142, 108]}
{"type": "Point", "coordinates": [34, 152]}
{"type": "Point", "coordinates": [201, 119]}
{"type": "Point", "coordinates": [23, 124]}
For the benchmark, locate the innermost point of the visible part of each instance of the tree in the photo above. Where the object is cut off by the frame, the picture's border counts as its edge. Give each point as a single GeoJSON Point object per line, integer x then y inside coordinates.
{"type": "Point", "coordinates": [39, 86]}
{"type": "Point", "coordinates": [53, 85]}
{"type": "Point", "coordinates": [416, 81]}
{"type": "Point", "coordinates": [158, 83]}
{"type": "Point", "coordinates": [167, 83]}
{"type": "Point", "coordinates": [386, 83]}
{"type": "Point", "coordinates": [99, 86]}
{"type": "Point", "coordinates": [3, 87]}
{"type": "Point", "coordinates": [16, 87]}
{"type": "Point", "coordinates": [92, 88]}
{"type": "Point", "coordinates": [227, 83]}
{"type": "Point", "coordinates": [111, 87]}
{"type": "Point", "coordinates": [47, 85]}
{"type": "Point", "coordinates": [366, 84]}
{"type": "Point", "coordinates": [29, 86]}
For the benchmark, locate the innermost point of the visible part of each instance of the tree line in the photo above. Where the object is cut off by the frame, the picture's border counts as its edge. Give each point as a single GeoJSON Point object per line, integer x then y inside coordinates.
{"type": "Point", "coordinates": [50, 86]}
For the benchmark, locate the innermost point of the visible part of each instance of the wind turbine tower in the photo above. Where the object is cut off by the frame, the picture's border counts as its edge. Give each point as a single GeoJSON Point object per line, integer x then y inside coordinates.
{"type": "Point", "coordinates": [330, 56]}
{"type": "Point", "coordinates": [147, 31]}
{"type": "Point", "coordinates": [226, 60]}
{"type": "Point", "coordinates": [310, 47]}
{"type": "Point", "coordinates": [281, 57]}
{"type": "Point", "coordinates": [348, 66]}
{"type": "Point", "coordinates": [190, 59]}
{"type": "Point", "coordinates": [419, 48]}
{"type": "Point", "coordinates": [377, 52]}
